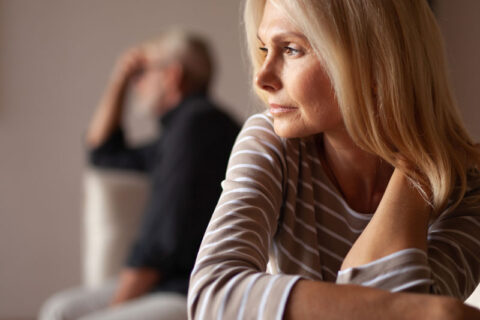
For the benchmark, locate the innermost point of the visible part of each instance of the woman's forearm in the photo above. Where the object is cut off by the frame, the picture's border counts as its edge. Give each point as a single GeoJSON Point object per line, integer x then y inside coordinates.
{"type": "Point", "coordinates": [400, 222]}
{"type": "Point", "coordinates": [321, 300]}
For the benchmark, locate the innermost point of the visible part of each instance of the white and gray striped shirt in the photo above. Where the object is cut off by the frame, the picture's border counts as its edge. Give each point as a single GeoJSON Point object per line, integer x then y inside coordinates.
{"type": "Point", "coordinates": [280, 219]}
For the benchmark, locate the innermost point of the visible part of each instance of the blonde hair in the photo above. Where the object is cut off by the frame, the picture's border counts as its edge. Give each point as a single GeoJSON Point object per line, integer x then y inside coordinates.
{"type": "Point", "coordinates": [387, 64]}
{"type": "Point", "coordinates": [191, 50]}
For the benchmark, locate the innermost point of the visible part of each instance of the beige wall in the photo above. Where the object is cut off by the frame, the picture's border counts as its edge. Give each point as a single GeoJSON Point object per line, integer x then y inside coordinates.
{"type": "Point", "coordinates": [55, 56]}
{"type": "Point", "coordinates": [460, 22]}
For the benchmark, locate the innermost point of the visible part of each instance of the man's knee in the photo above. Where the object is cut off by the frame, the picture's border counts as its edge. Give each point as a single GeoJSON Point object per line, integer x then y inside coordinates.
{"type": "Point", "coordinates": [58, 307]}
{"type": "Point", "coordinates": [73, 303]}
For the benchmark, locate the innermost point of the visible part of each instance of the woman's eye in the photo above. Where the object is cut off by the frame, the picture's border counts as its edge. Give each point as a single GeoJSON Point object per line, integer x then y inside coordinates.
{"type": "Point", "coordinates": [263, 50]}
{"type": "Point", "coordinates": [291, 51]}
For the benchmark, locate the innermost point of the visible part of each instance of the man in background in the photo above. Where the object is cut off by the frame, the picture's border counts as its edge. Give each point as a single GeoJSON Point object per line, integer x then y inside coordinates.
{"type": "Point", "coordinates": [170, 78]}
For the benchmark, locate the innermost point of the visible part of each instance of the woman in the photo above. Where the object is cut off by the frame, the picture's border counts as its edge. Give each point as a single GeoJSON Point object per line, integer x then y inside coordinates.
{"type": "Point", "coordinates": [361, 173]}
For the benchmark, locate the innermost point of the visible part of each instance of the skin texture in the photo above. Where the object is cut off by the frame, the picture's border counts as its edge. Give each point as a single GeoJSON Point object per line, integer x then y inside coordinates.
{"type": "Point", "coordinates": [157, 88]}
{"type": "Point", "coordinates": [294, 78]}
{"type": "Point", "coordinates": [303, 103]}
{"type": "Point", "coordinates": [133, 284]}
{"type": "Point", "coordinates": [317, 300]}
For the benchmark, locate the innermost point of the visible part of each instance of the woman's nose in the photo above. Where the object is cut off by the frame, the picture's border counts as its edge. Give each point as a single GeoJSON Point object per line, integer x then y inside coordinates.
{"type": "Point", "coordinates": [267, 77]}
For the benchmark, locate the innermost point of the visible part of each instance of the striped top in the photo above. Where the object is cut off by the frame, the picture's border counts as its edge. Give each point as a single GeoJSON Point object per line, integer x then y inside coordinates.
{"type": "Point", "coordinates": [280, 219]}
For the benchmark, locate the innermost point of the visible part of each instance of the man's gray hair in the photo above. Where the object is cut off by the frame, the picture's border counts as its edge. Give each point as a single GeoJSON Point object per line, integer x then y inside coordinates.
{"type": "Point", "coordinates": [191, 50]}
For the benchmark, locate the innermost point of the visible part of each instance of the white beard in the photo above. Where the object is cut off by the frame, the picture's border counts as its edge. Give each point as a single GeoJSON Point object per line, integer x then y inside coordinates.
{"type": "Point", "coordinates": [141, 119]}
{"type": "Point", "coordinates": [145, 106]}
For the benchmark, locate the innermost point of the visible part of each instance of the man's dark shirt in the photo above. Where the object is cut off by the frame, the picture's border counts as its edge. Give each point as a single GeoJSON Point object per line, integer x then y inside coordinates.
{"type": "Point", "coordinates": [186, 165]}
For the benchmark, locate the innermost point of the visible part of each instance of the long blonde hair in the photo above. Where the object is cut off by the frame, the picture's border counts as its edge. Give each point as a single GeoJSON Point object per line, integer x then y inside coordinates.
{"type": "Point", "coordinates": [387, 64]}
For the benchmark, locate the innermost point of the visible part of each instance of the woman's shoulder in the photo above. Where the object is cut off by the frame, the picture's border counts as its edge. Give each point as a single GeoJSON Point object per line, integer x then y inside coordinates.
{"type": "Point", "coordinates": [258, 139]}
{"type": "Point", "coordinates": [260, 127]}
{"type": "Point", "coordinates": [262, 120]}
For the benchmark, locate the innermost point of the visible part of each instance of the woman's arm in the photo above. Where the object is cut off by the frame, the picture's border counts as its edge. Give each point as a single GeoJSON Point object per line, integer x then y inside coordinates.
{"type": "Point", "coordinates": [321, 300]}
{"type": "Point", "coordinates": [398, 252]}
{"type": "Point", "coordinates": [229, 280]}
{"type": "Point", "coordinates": [400, 222]}
{"type": "Point", "coordinates": [390, 253]}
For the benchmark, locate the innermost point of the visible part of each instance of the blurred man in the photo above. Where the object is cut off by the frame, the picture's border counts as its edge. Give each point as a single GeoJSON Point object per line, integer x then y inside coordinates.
{"type": "Point", "coordinates": [170, 78]}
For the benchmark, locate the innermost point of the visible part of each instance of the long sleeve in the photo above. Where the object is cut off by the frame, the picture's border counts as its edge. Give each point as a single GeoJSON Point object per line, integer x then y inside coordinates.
{"type": "Point", "coordinates": [229, 280]}
{"type": "Point", "coordinates": [453, 251]}
{"type": "Point", "coordinates": [451, 265]}
{"type": "Point", "coordinates": [115, 154]}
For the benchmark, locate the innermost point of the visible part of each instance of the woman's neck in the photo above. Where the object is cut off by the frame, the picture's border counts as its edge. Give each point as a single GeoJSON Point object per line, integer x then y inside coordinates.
{"type": "Point", "coordinates": [360, 176]}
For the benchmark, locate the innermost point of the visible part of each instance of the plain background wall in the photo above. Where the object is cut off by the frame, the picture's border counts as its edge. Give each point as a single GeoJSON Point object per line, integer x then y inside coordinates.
{"type": "Point", "coordinates": [460, 23]}
{"type": "Point", "coordinates": [55, 59]}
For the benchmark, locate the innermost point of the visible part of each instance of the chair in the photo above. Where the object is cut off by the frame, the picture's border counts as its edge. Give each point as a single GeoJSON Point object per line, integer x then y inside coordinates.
{"type": "Point", "coordinates": [113, 206]}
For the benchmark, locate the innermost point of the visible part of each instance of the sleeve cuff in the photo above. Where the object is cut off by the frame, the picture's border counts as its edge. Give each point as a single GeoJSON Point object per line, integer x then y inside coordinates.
{"type": "Point", "coordinates": [404, 270]}
{"type": "Point", "coordinates": [144, 256]}
{"type": "Point", "coordinates": [115, 142]}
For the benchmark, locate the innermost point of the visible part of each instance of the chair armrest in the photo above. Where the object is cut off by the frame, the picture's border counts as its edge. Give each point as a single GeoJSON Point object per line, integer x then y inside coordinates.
{"type": "Point", "coordinates": [113, 205]}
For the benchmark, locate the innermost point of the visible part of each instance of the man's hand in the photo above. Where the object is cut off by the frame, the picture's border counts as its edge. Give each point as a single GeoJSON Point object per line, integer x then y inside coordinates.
{"type": "Point", "coordinates": [134, 283]}
{"type": "Point", "coordinates": [128, 65]}
{"type": "Point", "coordinates": [110, 108]}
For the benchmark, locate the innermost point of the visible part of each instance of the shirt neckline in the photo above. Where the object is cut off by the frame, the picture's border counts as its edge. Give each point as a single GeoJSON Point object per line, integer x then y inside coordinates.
{"type": "Point", "coordinates": [337, 194]}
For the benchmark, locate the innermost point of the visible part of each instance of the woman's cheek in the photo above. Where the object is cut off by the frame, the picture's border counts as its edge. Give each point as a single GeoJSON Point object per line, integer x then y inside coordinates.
{"type": "Point", "coordinates": [300, 88]}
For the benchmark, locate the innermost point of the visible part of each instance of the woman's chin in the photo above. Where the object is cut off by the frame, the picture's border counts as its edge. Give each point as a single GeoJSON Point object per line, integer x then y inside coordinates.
{"type": "Point", "coordinates": [286, 129]}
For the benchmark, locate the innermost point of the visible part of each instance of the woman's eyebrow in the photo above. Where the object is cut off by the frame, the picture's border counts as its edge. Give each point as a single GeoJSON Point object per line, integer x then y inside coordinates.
{"type": "Point", "coordinates": [260, 39]}
{"type": "Point", "coordinates": [287, 34]}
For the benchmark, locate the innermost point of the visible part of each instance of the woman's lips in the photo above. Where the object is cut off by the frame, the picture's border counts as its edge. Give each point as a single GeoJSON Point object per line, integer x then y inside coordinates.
{"type": "Point", "coordinates": [278, 109]}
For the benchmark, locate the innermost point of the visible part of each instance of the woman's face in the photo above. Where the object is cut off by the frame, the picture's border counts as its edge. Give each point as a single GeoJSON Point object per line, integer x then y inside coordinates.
{"type": "Point", "coordinates": [300, 94]}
